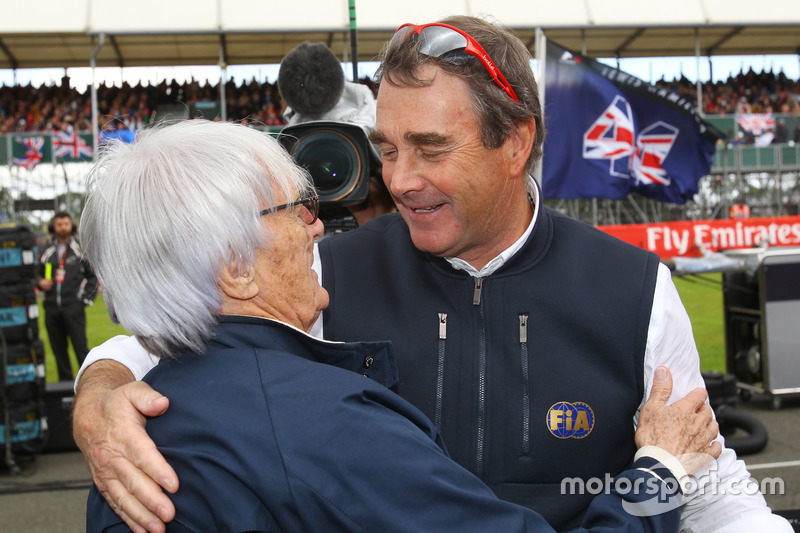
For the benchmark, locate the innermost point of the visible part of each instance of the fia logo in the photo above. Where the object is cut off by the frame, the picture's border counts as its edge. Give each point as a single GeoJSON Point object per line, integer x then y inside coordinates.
{"type": "Point", "coordinates": [570, 420]}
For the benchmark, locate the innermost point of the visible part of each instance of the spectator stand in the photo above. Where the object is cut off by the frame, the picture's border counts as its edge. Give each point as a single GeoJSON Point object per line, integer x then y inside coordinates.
{"type": "Point", "coordinates": [749, 107]}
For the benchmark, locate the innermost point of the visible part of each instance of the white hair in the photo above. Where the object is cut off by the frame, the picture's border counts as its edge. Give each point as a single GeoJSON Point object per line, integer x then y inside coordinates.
{"type": "Point", "coordinates": [165, 213]}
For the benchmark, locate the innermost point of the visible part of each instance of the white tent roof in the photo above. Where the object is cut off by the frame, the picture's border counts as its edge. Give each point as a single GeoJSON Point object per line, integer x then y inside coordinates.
{"type": "Point", "coordinates": [59, 33]}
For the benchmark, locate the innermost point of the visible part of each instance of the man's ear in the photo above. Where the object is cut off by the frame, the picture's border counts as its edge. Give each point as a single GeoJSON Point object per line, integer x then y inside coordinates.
{"type": "Point", "coordinates": [521, 139]}
{"type": "Point", "coordinates": [237, 285]}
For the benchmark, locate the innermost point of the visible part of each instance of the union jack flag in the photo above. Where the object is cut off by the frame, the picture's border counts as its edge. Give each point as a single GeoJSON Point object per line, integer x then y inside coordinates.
{"type": "Point", "coordinates": [70, 146]}
{"type": "Point", "coordinates": [756, 123]}
{"type": "Point", "coordinates": [652, 147]}
{"type": "Point", "coordinates": [611, 134]}
{"type": "Point", "coordinates": [34, 151]}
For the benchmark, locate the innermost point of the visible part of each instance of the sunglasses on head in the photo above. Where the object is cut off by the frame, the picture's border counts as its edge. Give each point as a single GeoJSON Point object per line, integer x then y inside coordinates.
{"type": "Point", "coordinates": [438, 40]}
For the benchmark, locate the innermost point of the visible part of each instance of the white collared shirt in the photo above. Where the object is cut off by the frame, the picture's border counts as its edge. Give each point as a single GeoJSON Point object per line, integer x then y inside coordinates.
{"type": "Point", "coordinates": [493, 265]}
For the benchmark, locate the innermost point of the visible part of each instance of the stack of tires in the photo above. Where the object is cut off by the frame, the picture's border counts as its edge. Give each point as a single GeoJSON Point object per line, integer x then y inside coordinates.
{"type": "Point", "coordinates": [23, 425]}
{"type": "Point", "coordinates": [743, 433]}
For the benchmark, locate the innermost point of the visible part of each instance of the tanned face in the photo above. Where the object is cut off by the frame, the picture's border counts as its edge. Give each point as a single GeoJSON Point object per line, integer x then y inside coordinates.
{"type": "Point", "coordinates": [459, 198]}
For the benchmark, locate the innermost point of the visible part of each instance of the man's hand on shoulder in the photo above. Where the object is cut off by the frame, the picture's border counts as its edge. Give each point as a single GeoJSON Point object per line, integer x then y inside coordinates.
{"type": "Point", "coordinates": [686, 429]}
{"type": "Point", "coordinates": [109, 415]}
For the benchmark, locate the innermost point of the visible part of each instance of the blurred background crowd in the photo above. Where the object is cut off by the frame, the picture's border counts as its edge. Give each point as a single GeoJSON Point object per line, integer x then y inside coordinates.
{"type": "Point", "coordinates": [59, 107]}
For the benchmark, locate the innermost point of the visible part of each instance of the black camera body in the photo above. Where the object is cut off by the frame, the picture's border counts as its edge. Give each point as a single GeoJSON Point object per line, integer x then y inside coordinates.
{"type": "Point", "coordinates": [339, 157]}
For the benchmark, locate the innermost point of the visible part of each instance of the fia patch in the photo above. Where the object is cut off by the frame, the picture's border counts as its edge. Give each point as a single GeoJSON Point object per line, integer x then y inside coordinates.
{"type": "Point", "coordinates": [567, 420]}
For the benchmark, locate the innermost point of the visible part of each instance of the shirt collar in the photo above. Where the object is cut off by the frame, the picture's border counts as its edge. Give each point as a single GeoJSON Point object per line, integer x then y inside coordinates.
{"type": "Point", "coordinates": [493, 265]}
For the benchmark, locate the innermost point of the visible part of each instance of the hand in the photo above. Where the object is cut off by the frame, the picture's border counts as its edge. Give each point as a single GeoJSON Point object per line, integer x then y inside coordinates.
{"type": "Point", "coordinates": [45, 284]}
{"type": "Point", "coordinates": [124, 463]}
{"type": "Point", "coordinates": [685, 429]}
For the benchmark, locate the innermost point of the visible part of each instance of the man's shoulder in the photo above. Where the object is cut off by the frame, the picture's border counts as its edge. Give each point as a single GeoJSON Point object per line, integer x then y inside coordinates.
{"type": "Point", "coordinates": [377, 230]}
{"type": "Point", "coordinates": [75, 246]}
{"type": "Point", "coordinates": [378, 225]}
{"type": "Point", "coordinates": [592, 235]}
{"type": "Point", "coordinates": [49, 249]}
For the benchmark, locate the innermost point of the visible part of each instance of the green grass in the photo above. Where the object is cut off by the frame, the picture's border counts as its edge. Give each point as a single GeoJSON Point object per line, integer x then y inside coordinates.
{"type": "Point", "coordinates": [702, 299]}
{"type": "Point", "coordinates": [99, 329]}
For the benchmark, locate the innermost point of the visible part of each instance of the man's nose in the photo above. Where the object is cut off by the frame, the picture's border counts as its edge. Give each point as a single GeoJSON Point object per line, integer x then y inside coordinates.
{"type": "Point", "coordinates": [317, 229]}
{"type": "Point", "coordinates": [403, 175]}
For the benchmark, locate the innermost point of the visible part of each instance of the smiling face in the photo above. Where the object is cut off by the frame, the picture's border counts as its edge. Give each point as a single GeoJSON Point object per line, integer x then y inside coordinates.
{"type": "Point", "coordinates": [459, 198]}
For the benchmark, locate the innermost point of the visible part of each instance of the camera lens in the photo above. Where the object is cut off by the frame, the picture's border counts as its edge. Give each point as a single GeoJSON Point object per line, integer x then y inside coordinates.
{"type": "Point", "coordinates": [332, 160]}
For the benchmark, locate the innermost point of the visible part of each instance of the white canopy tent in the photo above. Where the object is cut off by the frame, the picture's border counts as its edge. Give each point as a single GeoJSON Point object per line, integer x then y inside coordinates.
{"type": "Point", "coordinates": [55, 33]}
{"type": "Point", "coordinates": [81, 33]}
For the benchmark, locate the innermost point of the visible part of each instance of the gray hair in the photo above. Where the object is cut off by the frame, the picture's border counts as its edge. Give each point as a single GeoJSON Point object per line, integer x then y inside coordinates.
{"type": "Point", "coordinates": [499, 115]}
{"type": "Point", "coordinates": [165, 213]}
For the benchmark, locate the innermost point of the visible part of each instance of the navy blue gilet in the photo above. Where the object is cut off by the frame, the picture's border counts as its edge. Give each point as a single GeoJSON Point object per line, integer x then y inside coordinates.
{"type": "Point", "coordinates": [533, 374]}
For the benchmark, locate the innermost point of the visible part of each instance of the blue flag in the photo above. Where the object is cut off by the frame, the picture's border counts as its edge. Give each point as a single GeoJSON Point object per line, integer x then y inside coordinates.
{"type": "Point", "coordinates": [610, 133]}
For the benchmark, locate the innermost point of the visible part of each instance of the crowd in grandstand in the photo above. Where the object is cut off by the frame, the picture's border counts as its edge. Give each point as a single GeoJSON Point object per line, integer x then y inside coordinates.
{"type": "Point", "coordinates": [61, 108]}
{"type": "Point", "coordinates": [748, 92]}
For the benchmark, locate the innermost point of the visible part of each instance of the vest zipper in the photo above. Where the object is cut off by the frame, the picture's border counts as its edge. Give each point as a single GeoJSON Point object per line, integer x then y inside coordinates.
{"type": "Point", "coordinates": [476, 295]}
{"type": "Point", "coordinates": [437, 419]}
{"type": "Point", "coordinates": [481, 418]}
{"type": "Point", "coordinates": [526, 397]}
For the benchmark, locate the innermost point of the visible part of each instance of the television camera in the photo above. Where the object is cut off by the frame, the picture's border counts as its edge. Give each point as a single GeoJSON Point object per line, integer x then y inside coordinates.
{"type": "Point", "coordinates": [341, 161]}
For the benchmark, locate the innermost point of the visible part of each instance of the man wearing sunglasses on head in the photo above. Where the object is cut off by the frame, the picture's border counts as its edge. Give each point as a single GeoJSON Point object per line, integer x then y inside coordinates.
{"type": "Point", "coordinates": [531, 340]}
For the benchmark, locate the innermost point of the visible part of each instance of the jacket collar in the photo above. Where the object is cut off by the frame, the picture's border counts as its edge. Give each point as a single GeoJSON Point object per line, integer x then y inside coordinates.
{"type": "Point", "coordinates": [372, 359]}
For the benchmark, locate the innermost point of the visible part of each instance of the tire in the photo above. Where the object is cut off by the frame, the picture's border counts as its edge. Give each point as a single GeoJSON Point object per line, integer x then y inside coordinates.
{"type": "Point", "coordinates": [757, 436]}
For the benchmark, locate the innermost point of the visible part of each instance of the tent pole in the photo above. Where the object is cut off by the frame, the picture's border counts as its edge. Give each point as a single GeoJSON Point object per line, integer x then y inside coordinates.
{"type": "Point", "coordinates": [354, 40]}
{"type": "Point", "coordinates": [541, 55]}
{"type": "Point", "coordinates": [697, 61]}
{"type": "Point", "coordinates": [95, 131]}
{"type": "Point", "coordinates": [223, 74]}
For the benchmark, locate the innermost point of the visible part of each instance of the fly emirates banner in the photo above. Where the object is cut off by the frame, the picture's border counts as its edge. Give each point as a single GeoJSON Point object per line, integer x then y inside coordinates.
{"type": "Point", "coordinates": [689, 238]}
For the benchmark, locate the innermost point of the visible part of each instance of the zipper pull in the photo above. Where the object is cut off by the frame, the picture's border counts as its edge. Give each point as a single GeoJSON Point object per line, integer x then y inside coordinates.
{"type": "Point", "coordinates": [523, 329]}
{"type": "Point", "coordinates": [442, 326]}
{"type": "Point", "coordinates": [476, 296]}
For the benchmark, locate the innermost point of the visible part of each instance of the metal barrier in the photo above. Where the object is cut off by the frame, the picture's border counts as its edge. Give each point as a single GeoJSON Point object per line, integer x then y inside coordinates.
{"type": "Point", "coordinates": [747, 159]}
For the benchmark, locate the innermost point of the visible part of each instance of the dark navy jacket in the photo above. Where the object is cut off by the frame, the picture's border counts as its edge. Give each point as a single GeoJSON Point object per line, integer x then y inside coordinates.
{"type": "Point", "coordinates": [266, 434]}
{"type": "Point", "coordinates": [533, 374]}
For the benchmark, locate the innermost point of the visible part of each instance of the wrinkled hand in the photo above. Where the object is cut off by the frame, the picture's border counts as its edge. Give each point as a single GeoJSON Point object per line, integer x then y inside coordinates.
{"type": "Point", "coordinates": [685, 429]}
{"type": "Point", "coordinates": [125, 464]}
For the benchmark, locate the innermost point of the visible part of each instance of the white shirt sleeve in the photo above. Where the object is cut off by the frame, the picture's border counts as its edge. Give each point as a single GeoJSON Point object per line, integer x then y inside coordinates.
{"type": "Point", "coordinates": [724, 499]}
{"type": "Point", "coordinates": [123, 349]}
